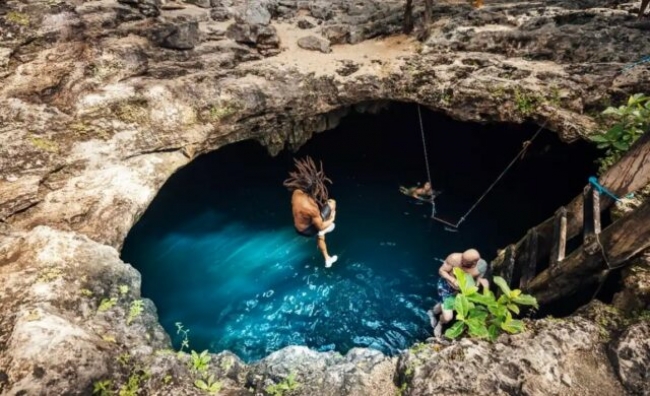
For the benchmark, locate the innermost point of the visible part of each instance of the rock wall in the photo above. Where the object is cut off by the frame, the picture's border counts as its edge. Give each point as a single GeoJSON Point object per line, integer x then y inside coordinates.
{"type": "Point", "coordinates": [101, 101]}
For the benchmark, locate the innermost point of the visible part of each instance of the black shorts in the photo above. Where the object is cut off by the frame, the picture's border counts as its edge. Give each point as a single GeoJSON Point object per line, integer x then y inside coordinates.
{"type": "Point", "coordinates": [311, 231]}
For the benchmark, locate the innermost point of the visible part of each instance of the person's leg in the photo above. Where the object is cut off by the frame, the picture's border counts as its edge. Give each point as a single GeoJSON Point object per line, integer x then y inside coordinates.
{"type": "Point", "coordinates": [322, 246]}
{"type": "Point", "coordinates": [446, 317]}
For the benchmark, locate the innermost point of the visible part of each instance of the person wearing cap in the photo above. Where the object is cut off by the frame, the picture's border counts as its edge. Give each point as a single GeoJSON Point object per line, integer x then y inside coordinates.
{"type": "Point", "coordinates": [470, 262]}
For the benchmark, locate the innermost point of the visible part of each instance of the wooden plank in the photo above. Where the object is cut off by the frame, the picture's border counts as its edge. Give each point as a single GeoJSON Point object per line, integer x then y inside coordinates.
{"type": "Point", "coordinates": [630, 173]}
{"type": "Point", "coordinates": [558, 251]}
{"type": "Point", "coordinates": [529, 268]}
{"type": "Point", "coordinates": [622, 240]}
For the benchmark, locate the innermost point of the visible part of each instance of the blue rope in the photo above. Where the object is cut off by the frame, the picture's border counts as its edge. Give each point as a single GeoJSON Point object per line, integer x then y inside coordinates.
{"type": "Point", "coordinates": [601, 189]}
{"type": "Point", "coordinates": [645, 59]}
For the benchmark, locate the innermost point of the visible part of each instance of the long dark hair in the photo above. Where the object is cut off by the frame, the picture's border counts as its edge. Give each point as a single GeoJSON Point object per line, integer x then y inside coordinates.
{"type": "Point", "coordinates": [309, 179]}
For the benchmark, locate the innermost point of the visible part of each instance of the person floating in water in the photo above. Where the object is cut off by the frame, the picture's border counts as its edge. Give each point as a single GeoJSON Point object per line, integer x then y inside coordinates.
{"type": "Point", "coordinates": [424, 193]}
{"type": "Point", "coordinates": [469, 261]}
{"type": "Point", "coordinates": [313, 212]}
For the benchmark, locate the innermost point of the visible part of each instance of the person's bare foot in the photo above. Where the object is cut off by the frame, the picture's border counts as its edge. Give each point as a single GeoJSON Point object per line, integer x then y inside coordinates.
{"type": "Point", "coordinates": [331, 260]}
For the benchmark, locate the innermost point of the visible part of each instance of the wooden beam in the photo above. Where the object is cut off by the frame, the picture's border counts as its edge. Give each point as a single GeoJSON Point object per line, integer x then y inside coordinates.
{"type": "Point", "coordinates": [620, 241]}
{"type": "Point", "coordinates": [558, 249]}
{"type": "Point", "coordinates": [630, 173]}
{"type": "Point", "coordinates": [529, 267]}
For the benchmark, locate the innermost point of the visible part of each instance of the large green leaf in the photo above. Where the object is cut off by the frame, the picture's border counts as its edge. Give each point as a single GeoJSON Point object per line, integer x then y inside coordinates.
{"type": "Point", "coordinates": [465, 282]}
{"type": "Point", "coordinates": [481, 299]}
{"type": "Point", "coordinates": [477, 328]}
{"type": "Point", "coordinates": [615, 132]}
{"type": "Point", "coordinates": [598, 138]}
{"type": "Point", "coordinates": [479, 314]}
{"type": "Point", "coordinates": [612, 110]}
{"type": "Point", "coordinates": [513, 326]}
{"type": "Point", "coordinates": [514, 308]}
{"type": "Point", "coordinates": [621, 145]}
{"type": "Point", "coordinates": [455, 330]}
{"type": "Point", "coordinates": [526, 299]}
{"type": "Point", "coordinates": [499, 281]}
{"type": "Point", "coordinates": [461, 305]}
{"type": "Point", "coordinates": [498, 310]}
{"type": "Point", "coordinates": [493, 332]}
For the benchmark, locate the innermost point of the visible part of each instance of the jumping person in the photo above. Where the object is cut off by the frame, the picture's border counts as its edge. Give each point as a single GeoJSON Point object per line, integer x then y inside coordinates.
{"type": "Point", "coordinates": [313, 212]}
{"type": "Point", "coordinates": [470, 262]}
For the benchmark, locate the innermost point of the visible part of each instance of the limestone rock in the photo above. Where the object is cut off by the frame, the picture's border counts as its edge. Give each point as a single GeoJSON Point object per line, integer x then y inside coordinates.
{"type": "Point", "coordinates": [347, 67]}
{"type": "Point", "coordinates": [95, 117]}
{"type": "Point", "coordinates": [559, 357]}
{"type": "Point", "coordinates": [635, 295]}
{"type": "Point", "coordinates": [222, 10]}
{"type": "Point", "coordinates": [200, 3]}
{"type": "Point", "coordinates": [148, 8]}
{"type": "Point", "coordinates": [314, 43]}
{"type": "Point", "coordinates": [304, 23]}
{"type": "Point", "coordinates": [181, 36]}
{"type": "Point", "coordinates": [253, 27]}
{"type": "Point", "coordinates": [632, 358]}
{"type": "Point", "coordinates": [359, 372]}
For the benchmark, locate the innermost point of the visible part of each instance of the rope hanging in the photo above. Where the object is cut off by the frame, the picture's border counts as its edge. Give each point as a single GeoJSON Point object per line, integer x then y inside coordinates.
{"type": "Point", "coordinates": [426, 162]}
{"type": "Point", "coordinates": [463, 217]}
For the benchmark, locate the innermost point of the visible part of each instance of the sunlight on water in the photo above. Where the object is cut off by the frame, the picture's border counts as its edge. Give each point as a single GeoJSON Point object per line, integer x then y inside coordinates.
{"type": "Point", "coordinates": [269, 290]}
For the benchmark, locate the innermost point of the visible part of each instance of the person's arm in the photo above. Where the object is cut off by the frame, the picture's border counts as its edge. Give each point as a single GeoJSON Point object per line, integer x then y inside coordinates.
{"type": "Point", "coordinates": [445, 273]}
{"type": "Point", "coordinates": [484, 282]}
{"type": "Point", "coordinates": [318, 221]}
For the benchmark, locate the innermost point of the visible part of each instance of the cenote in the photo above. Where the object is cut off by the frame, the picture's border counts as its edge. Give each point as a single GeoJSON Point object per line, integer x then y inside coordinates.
{"type": "Point", "coordinates": [218, 252]}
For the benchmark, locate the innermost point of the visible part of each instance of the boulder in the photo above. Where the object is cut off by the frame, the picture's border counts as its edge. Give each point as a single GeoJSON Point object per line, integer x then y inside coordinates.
{"type": "Point", "coordinates": [304, 23]}
{"type": "Point", "coordinates": [360, 372]}
{"type": "Point", "coordinates": [631, 352]}
{"type": "Point", "coordinates": [347, 67]}
{"type": "Point", "coordinates": [148, 8]}
{"type": "Point", "coordinates": [314, 43]}
{"type": "Point", "coordinates": [181, 36]}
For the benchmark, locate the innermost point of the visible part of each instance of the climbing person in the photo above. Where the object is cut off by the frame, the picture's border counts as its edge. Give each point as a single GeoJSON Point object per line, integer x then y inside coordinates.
{"type": "Point", "coordinates": [425, 192]}
{"type": "Point", "coordinates": [313, 212]}
{"type": "Point", "coordinates": [470, 262]}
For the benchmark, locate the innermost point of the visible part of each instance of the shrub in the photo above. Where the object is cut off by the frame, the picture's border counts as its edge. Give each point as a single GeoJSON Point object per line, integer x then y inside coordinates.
{"type": "Point", "coordinates": [632, 120]}
{"type": "Point", "coordinates": [483, 315]}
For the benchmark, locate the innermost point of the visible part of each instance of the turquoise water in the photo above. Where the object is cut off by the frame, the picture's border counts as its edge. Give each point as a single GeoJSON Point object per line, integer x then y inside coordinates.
{"type": "Point", "coordinates": [217, 250]}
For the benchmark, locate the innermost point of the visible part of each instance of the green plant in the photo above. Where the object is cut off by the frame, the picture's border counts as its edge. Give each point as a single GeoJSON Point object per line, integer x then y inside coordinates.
{"type": "Point", "coordinates": [482, 315]}
{"type": "Point", "coordinates": [185, 342]}
{"type": "Point", "coordinates": [102, 388]}
{"type": "Point", "coordinates": [124, 359]}
{"type": "Point", "coordinates": [136, 308]}
{"type": "Point", "coordinates": [289, 384]}
{"type": "Point", "coordinates": [632, 120]}
{"type": "Point", "coordinates": [199, 362]}
{"type": "Point", "coordinates": [86, 292]}
{"type": "Point", "coordinates": [209, 385]}
{"type": "Point", "coordinates": [123, 289]}
{"type": "Point", "coordinates": [132, 386]}
{"type": "Point", "coordinates": [106, 304]}
{"type": "Point", "coordinates": [167, 379]}
{"type": "Point", "coordinates": [525, 103]}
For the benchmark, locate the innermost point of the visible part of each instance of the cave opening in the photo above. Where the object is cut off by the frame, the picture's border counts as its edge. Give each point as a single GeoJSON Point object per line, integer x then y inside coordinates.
{"type": "Point", "coordinates": [218, 252]}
